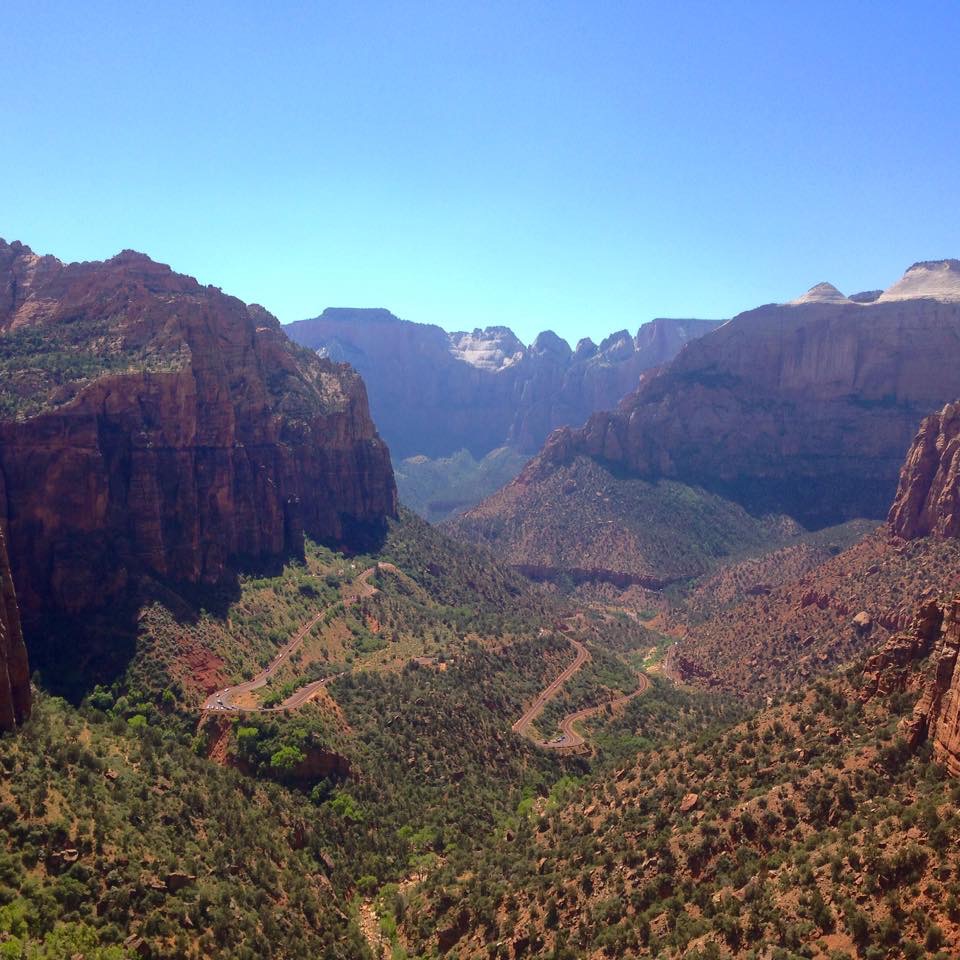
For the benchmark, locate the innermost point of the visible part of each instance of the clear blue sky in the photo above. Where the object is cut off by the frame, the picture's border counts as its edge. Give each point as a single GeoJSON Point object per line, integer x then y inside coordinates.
{"type": "Point", "coordinates": [582, 166]}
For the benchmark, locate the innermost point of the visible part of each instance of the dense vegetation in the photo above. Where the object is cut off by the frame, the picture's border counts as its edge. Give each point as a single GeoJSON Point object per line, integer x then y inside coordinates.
{"type": "Point", "coordinates": [805, 830]}
{"type": "Point", "coordinates": [584, 518]}
{"type": "Point", "coordinates": [113, 827]}
{"type": "Point", "coordinates": [698, 828]}
{"type": "Point", "coordinates": [43, 366]}
{"type": "Point", "coordinates": [116, 823]}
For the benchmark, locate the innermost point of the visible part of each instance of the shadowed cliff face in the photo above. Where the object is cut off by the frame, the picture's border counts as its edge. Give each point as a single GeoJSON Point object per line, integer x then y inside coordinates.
{"type": "Point", "coordinates": [434, 393]}
{"type": "Point", "coordinates": [154, 426]}
{"type": "Point", "coordinates": [14, 674]}
{"type": "Point", "coordinates": [803, 409]}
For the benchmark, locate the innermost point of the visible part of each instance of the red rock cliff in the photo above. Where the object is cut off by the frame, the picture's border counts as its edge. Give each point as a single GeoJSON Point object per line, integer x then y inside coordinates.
{"type": "Point", "coordinates": [934, 635]}
{"type": "Point", "coordinates": [928, 496]}
{"type": "Point", "coordinates": [803, 408]}
{"type": "Point", "coordinates": [151, 424]}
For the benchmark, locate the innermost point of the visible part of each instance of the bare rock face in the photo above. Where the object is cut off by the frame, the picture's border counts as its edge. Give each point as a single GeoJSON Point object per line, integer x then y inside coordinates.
{"type": "Point", "coordinates": [150, 425]}
{"type": "Point", "coordinates": [804, 408]}
{"type": "Point", "coordinates": [434, 393]}
{"type": "Point", "coordinates": [936, 279]}
{"type": "Point", "coordinates": [937, 713]}
{"type": "Point", "coordinates": [934, 635]}
{"type": "Point", "coordinates": [14, 673]}
{"type": "Point", "coordinates": [928, 496]}
{"type": "Point", "coordinates": [887, 671]}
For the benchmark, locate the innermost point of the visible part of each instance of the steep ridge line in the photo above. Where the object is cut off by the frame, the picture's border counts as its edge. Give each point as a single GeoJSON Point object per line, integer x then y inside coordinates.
{"type": "Point", "coordinates": [224, 700]}
{"type": "Point", "coordinates": [569, 739]}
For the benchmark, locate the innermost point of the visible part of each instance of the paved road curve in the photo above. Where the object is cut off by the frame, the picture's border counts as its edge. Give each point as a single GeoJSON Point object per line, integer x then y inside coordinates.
{"type": "Point", "coordinates": [569, 739]}
{"type": "Point", "coordinates": [226, 699]}
{"type": "Point", "coordinates": [522, 726]}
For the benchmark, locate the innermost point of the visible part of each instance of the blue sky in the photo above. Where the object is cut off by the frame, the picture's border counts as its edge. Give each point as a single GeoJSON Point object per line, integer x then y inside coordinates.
{"type": "Point", "coordinates": [579, 166]}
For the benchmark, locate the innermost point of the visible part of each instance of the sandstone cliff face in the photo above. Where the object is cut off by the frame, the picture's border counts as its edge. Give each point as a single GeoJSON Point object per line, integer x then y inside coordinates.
{"type": "Point", "coordinates": [153, 425]}
{"type": "Point", "coordinates": [928, 496]}
{"type": "Point", "coordinates": [14, 674]}
{"type": "Point", "coordinates": [936, 716]}
{"type": "Point", "coordinates": [804, 408]}
{"type": "Point", "coordinates": [434, 393]}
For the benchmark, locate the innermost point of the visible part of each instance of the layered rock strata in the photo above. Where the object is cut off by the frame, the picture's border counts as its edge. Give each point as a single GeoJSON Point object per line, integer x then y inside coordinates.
{"type": "Point", "coordinates": [151, 425]}
{"type": "Point", "coordinates": [804, 408]}
{"type": "Point", "coordinates": [434, 393]}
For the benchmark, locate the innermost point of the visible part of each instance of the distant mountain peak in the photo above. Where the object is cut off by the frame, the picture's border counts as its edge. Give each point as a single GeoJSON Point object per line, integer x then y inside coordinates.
{"type": "Point", "coordinates": [548, 342]}
{"type": "Point", "coordinates": [360, 314]}
{"type": "Point", "coordinates": [493, 348]}
{"type": "Point", "coordinates": [930, 279]}
{"type": "Point", "coordinates": [821, 293]}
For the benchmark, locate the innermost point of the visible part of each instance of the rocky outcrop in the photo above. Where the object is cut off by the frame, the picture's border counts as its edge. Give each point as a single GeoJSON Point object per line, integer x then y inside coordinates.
{"type": "Point", "coordinates": [14, 673]}
{"type": "Point", "coordinates": [935, 636]}
{"type": "Point", "coordinates": [888, 670]}
{"type": "Point", "coordinates": [434, 393]}
{"type": "Point", "coordinates": [155, 426]}
{"type": "Point", "coordinates": [937, 714]}
{"type": "Point", "coordinates": [803, 408]}
{"type": "Point", "coordinates": [928, 496]}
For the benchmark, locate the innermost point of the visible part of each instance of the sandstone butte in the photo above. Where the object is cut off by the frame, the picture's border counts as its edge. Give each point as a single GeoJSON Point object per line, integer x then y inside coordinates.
{"type": "Point", "coordinates": [152, 425]}
{"type": "Point", "coordinates": [803, 408]}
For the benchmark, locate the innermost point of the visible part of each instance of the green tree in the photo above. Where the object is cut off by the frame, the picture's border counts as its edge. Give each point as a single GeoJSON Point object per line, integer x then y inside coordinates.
{"type": "Point", "coordinates": [286, 758]}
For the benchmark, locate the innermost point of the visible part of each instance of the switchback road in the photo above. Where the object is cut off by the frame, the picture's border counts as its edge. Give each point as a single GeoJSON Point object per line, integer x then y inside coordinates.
{"type": "Point", "coordinates": [569, 739]}
{"type": "Point", "coordinates": [227, 699]}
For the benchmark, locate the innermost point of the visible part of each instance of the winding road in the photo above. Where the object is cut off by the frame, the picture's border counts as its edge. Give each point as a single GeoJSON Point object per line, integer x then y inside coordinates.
{"type": "Point", "coordinates": [230, 698]}
{"type": "Point", "coordinates": [569, 739]}
{"type": "Point", "coordinates": [226, 699]}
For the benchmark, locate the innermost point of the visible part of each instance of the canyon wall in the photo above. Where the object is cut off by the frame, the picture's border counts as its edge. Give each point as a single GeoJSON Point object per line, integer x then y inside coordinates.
{"type": "Point", "coordinates": [434, 393]}
{"type": "Point", "coordinates": [14, 673]}
{"type": "Point", "coordinates": [151, 425]}
{"type": "Point", "coordinates": [804, 408]}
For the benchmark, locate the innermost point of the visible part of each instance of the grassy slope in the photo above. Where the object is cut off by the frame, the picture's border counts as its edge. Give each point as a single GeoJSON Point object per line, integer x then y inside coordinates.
{"type": "Point", "coordinates": [583, 517]}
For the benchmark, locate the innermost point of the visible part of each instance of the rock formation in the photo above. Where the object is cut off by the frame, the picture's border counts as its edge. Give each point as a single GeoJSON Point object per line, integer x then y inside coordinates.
{"type": "Point", "coordinates": [14, 674]}
{"type": "Point", "coordinates": [803, 408]}
{"type": "Point", "coordinates": [434, 393]}
{"type": "Point", "coordinates": [934, 279]}
{"type": "Point", "coordinates": [888, 670]}
{"type": "Point", "coordinates": [934, 634]}
{"type": "Point", "coordinates": [928, 497]}
{"type": "Point", "coordinates": [151, 425]}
